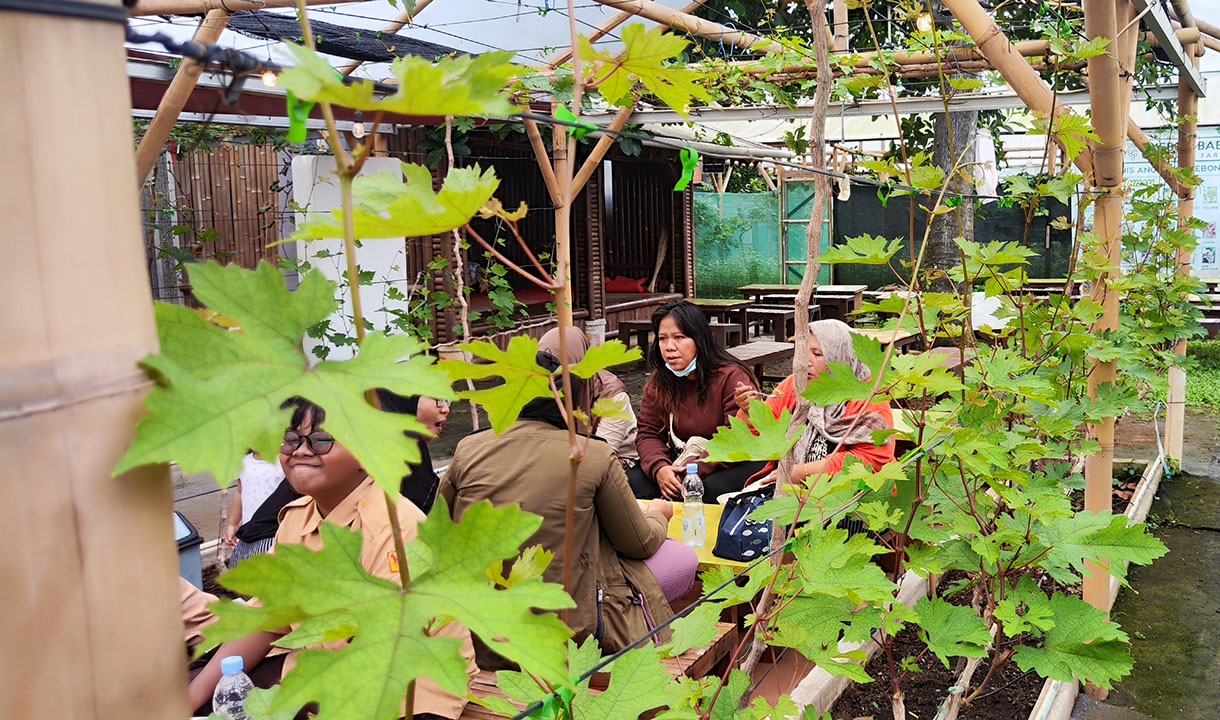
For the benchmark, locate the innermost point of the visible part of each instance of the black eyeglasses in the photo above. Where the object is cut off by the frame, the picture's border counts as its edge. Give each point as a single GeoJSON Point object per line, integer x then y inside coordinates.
{"type": "Point", "coordinates": [319, 442]}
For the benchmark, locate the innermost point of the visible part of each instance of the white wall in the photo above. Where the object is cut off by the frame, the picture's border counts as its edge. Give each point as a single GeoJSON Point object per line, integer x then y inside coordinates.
{"type": "Point", "coordinates": [315, 188]}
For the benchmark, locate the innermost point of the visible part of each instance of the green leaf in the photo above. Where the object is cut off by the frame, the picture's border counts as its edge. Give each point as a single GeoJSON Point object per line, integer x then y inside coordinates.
{"type": "Point", "coordinates": [862, 250]}
{"type": "Point", "coordinates": [462, 85]}
{"type": "Point", "coordinates": [813, 625]}
{"type": "Point", "coordinates": [387, 207]}
{"type": "Point", "coordinates": [530, 566]}
{"type": "Point", "coordinates": [835, 565]}
{"type": "Point", "coordinates": [207, 418]}
{"type": "Point", "coordinates": [610, 408]}
{"type": "Point", "coordinates": [1082, 644]}
{"type": "Point", "coordinates": [643, 59]}
{"type": "Point", "coordinates": [726, 703]}
{"type": "Point", "coordinates": [1072, 539]}
{"type": "Point", "coordinates": [951, 631]}
{"type": "Point", "coordinates": [964, 83]}
{"type": "Point", "coordinates": [524, 378]}
{"type": "Point", "coordinates": [838, 384]}
{"type": "Point", "coordinates": [1026, 609]}
{"type": "Point", "coordinates": [696, 629]}
{"type": "Point", "coordinates": [766, 440]}
{"type": "Point", "coordinates": [638, 683]}
{"type": "Point", "coordinates": [258, 706]}
{"type": "Point", "coordinates": [606, 355]}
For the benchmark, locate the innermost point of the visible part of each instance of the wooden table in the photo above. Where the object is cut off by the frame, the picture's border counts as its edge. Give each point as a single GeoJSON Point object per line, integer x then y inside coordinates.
{"type": "Point", "coordinates": [726, 310]}
{"type": "Point", "coordinates": [778, 318]}
{"type": "Point", "coordinates": [900, 339]}
{"type": "Point", "coordinates": [711, 517]}
{"type": "Point", "coordinates": [756, 355]}
{"type": "Point", "coordinates": [844, 299]}
{"type": "Point", "coordinates": [641, 329]}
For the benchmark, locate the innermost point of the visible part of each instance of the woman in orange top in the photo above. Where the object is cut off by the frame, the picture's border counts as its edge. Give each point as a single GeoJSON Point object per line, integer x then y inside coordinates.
{"type": "Point", "coordinates": [828, 426]}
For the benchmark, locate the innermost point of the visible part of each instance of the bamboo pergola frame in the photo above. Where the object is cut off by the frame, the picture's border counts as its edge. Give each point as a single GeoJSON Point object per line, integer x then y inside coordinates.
{"type": "Point", "coordinates": [73, 391]}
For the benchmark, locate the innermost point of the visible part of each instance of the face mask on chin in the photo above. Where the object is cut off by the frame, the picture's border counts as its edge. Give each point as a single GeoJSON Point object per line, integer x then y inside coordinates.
{"type": "Point", "coordinates": [685, 371]}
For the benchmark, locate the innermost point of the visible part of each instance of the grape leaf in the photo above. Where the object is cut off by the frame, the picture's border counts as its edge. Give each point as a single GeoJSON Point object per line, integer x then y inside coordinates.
{"type": "Point", "coordinates": [1082, 644]}
{"type": "Point", "coordinates": [532, 563]}
{"type": "Point", "coordinates": [726, 702]}
{"type": "Point", "coordinates": [764, 437]}
{"type": "Point", "coordinates": [838, 384]}
{"type": "Point", "coordinates": [205, 415]}
{"type": "Point", "coordinates": [1026, 609]}
{"type": "Point", "coordinates": [951, 631]}
{"type": "Point", "coordinates": [606, 355]}
{"type": "Point", "coordinates": [1072, 539]}
{"type": "Point", "coordinates": [638, 682]}
{"type": "Point", "coordinates": [524, 378]}
{"type": "Point", "coordinates": [386, 207]}
{"type": "Point", "coordinates": [610, 408]}
{"type": "Point", "coordinates": [813, 626]}
{"type": "Point", "coordinates": [862, 250]}
{"type": "Point", "coordinates": [643, 59]}
{"type": "Point", "coordinates": [390, 647]}
{"type": "Point", "coordinates": [463, 85]}
{"type": "Point", "coordinates": [695, 629]}
{"type": "Point", "coordinates": [835, 565]}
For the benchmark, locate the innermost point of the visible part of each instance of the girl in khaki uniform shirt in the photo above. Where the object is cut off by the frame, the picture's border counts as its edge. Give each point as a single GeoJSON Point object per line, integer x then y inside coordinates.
{"type": "Point", "coordinates": [337, 489]}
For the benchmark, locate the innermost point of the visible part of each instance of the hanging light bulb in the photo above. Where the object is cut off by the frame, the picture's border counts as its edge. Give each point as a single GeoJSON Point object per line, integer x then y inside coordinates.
{"type": "Point", "coordinates": [923, 23]}
{"type": "Point", "coordinates": [358, 126]}
{"type": "Point", "coordinates": [269, 78]}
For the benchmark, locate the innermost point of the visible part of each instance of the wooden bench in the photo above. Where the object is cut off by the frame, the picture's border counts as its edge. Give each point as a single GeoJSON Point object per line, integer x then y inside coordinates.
{"type": "Point", "coordinates": [641, 329]}
{"type": "Point", "coordinates": [781, 321]}
{"type": "Point", "coordinates": [693, 663]}
{"type": "Point", "coordinates": [727, 335]}
{"type": "Point", "coordinates": [756, 355]}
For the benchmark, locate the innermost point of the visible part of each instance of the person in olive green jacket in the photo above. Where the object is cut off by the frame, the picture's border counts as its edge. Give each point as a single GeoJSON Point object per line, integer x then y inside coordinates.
{"type": "Point", "coordinates": [624, 568]}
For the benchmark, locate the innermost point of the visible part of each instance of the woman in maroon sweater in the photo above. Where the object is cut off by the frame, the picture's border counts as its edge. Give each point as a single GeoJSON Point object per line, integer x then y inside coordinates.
{"type": "Point", "coordinates": [689, 394]}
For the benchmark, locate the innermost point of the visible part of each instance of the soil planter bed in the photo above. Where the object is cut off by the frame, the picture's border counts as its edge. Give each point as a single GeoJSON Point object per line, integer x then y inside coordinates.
{"type": "Point", "coordinates": [1010, 693]}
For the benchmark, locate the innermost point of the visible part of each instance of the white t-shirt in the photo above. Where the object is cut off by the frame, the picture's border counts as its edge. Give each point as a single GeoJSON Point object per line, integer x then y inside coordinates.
{"type": "Point", "coordinates": [259, 479]}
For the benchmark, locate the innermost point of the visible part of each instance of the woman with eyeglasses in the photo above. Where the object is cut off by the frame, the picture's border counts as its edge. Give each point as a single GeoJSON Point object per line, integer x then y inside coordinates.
{"type": "Point", "coordinates": [419, 486]}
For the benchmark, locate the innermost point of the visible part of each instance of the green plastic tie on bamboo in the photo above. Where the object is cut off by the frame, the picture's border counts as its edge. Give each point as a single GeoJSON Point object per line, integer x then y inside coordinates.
{"type": "Point", "coordinates": [563, 113]}
{"type": "Point", "coordinates": [553, 704]}
{"type": "Point", "coordinates": [690, 158]}
{"type": "Point", "coordinates": [298, 112]}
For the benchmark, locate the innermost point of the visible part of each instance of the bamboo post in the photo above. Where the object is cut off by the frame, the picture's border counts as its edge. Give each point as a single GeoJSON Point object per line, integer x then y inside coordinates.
{"type": "Point", "coordinates": [404, 18]}
{"type": "Point", "coordinates": [1025, 81]}
{"type": "Point", "coordinates": [692, 25]}
{"type": "Point", "coordinates": [1106, 94]}
{"type": "Point", "coordinates": [91, 621]}
{"type": "Point", "coordinates": [1175, 416]}
{"type": "Point", "coordinates": [176, 95]}
{"type": "Point", "coordinates": [605, 28]}
{"type": "Point", "coordinates": [839, 15]}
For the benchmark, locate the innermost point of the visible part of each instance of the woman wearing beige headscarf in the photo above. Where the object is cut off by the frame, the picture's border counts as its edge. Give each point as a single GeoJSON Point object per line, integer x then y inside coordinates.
{"type": "Point", "coordinates": [846, 426]}
{"type": "Point", "coordinates": [619, 433]}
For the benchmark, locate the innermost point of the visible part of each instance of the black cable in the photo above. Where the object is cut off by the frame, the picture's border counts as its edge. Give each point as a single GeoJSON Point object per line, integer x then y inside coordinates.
{"type": "Point", "coordinates": [69, 9]}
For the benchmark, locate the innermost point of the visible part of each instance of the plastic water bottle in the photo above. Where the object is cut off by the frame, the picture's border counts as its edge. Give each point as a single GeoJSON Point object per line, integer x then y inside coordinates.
{"type": "Point", "coordinates": [693, 525]}
{"type": "Point", "coordinates": [229, 698]}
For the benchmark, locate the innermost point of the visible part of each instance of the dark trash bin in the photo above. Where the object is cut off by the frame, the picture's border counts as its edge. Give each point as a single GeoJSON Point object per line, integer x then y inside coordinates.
{"type": "Point", "coordinates": [190, 561]}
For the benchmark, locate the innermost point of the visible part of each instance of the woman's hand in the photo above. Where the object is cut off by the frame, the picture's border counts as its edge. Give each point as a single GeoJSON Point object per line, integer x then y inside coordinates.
{"type": "Point", "coordinates": [660, 505]}
{"type": "Point", "coordinates": [741, 395]}
{"type": "Point", "coordinates": [669, 482]}
{"type": "Point", "coordinates": [230, 537]}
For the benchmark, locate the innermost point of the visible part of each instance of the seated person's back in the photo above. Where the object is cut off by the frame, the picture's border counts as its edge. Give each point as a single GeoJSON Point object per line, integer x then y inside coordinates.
{"type": "Point", "coordinates": [615, 543]}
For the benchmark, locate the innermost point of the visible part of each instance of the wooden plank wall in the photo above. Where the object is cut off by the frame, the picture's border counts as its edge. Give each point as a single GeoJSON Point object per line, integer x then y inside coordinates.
{"type": "Point", "coordinates": [225, 204]}
{"type": "Point", "coordinates": [645, 207]}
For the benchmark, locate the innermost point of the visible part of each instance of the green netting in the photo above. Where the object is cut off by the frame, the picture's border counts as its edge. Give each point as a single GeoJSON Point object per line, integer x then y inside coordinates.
{"type": "Point", "coordinates": [798, 205]}
{"type": "Point", "coordinates": [736, 241]}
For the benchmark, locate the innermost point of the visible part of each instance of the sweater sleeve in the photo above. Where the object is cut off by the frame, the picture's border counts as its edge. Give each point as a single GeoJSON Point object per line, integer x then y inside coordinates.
{"type": "Point", "coordinates": [651, 440]}
{"type": "Point", "coordinates": [874, 455]}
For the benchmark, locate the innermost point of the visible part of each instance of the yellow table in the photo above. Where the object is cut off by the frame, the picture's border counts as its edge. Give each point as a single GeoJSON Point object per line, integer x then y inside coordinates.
{"type": "Point", "coordinates": [711, 516]}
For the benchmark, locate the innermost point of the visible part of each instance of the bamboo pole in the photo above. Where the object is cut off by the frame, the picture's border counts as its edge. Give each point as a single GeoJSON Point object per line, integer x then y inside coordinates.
{"type": "Point", "coordinates": [1137, 136]}
{"type": "Point", "coordinates": [692, 25]}
{"type": "Point", "coordinates": [404, 18]}
{"type": "Point", "coordinates": [839, 36]}
{"type": "Point", "coordinates": [1175, 416]}
{"type": "Point", "coordinates": [1025, 81]}
{"type": "Point", "coordinates": [199, 7]}
{"type": "Point", "coordinates": [176, 95]}
{"type": "Point", "coordinates": [589, 166]}
{"type": "Point", "coordinates": [605, 28]}
{"type": "Point", "coordinates": [91, 621]}
{"type": "Point", "coordinates": [1109, 116]}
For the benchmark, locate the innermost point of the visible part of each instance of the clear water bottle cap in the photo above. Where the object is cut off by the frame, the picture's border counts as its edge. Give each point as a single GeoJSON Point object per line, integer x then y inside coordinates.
{"type": "Point", "coordinates": [692, 468]}
{"type": "Point", "coordinates": [232, 665]}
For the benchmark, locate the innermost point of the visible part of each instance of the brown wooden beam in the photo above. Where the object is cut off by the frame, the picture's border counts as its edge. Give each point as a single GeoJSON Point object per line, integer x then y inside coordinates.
{"type": "Point", "coordinates": [199, 7]}
{"type": "Point", "coordinates": [176, 96]}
